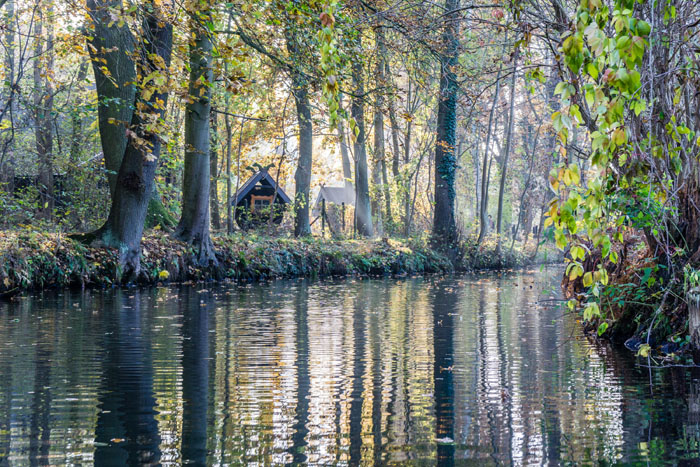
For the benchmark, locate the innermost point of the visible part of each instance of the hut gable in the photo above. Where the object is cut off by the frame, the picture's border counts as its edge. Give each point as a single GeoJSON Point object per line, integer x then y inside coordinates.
{"type": "Point", "coordinates": [260, 184]}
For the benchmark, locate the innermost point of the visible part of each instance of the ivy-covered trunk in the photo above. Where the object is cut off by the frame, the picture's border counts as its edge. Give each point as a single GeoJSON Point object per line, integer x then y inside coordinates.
{"type": "Point", "coordinates": [193, 227]}
{"type": "Point", "coordinates": [444, 225]}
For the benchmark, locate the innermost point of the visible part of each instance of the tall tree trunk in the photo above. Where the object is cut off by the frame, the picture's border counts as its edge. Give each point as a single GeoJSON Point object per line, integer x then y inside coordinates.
{"type": "Point", "coordinates": [344, 152]}
{"type": "Point", "coordinates": [193, 227]}
{"type": "Point", "coordinates": [135, 180]}
{"type": "Point", "coordinates": [550, 145]}
{"type": "Point", "coordinates": [389, 220]}
{"type": "Point", "coordinates": [229, 193]}
{"type": "Point", "coordinates": [229, 144]}
{"type": "Point", "coordinates": [363, 211]}
{"type": "Point", "coordinates": [43, 107]}
{"type": "Point", "coordinates": [379, 145]}
{"type": "Point", "coordinates": [406, 189]}
{"type": "Point", "coordinates": [395, 163]}
{"type": "Point", "coordinates": [302, 175]}
{"type": "Point", "coordinates": [376, 200]}
{"type": "Point", "coordinates": [214, 171]}
{"type": "Point", "coordinates": [77, 120]}
{"type": "Point", "coordinates": [7, 164]}
{"type": "Point", "coordinates": [486, 167]}
{"type": "Point", "coordinates": [475, 159]}
{"type": "Point", "coordinates": [111, 47]}
{"type": "Point", "coordinates": [444, 225]}
{"type": "Point", "coordinates": [524, 207]}
{"type": "Point", "coordinates": [506, 155]}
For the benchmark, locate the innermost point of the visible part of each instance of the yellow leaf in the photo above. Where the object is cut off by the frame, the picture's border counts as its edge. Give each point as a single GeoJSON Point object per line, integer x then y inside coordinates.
{"type": "Point", "coordinates": [644, 350]}
{"type": "Point", "coordinates": [587, 279]}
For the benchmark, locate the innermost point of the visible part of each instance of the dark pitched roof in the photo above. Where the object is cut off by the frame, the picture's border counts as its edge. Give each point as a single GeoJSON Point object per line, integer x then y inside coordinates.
{"type": "Point", "coordinates": [264, 178]}
{"type": "Point", "coordinates": [336, 195]}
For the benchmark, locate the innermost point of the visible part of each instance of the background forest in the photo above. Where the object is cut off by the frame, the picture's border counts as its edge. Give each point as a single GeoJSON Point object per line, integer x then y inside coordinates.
{"type": "Point", "coordinates": [321, 94]}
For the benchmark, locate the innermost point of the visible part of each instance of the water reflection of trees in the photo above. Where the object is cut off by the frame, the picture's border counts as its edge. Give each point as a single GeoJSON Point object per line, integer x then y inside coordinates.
{"type": "Point", "coordinates": [357, 372]}
{"type": "Point", "coordinates": [127, 431]}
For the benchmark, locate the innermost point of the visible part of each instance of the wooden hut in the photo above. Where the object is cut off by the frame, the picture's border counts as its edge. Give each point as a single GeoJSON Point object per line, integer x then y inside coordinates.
{"type": "Point", "coordinates": [259, 200]}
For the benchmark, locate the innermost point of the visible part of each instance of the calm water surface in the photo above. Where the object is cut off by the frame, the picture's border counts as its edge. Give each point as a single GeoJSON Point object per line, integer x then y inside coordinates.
{"type": "Point", "coordinates": [469, 370]}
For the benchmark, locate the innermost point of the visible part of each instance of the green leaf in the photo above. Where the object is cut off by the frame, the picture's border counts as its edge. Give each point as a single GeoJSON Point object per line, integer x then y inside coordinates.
{"type": "Point", "coordinates": [602, 327]}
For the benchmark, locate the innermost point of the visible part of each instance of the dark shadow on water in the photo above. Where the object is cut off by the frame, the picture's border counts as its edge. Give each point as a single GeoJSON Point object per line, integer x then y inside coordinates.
{"type": "Point", "coordinates": [301, 310]}
{"type": "Point", "coordinates": [443, 374]}
{"type": "Point", "coordinates": [127, 431]}
{"type": "Point", "coordinates": [194, 308]}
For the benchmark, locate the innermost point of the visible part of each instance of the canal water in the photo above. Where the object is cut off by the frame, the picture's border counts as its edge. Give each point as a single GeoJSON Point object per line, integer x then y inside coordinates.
{"type": "Point", "coordinates": [473, 370]}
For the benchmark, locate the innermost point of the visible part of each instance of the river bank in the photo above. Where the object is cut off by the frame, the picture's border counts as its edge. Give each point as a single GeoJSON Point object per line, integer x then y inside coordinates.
{"type": "Point", "coordinates": [39, 260]}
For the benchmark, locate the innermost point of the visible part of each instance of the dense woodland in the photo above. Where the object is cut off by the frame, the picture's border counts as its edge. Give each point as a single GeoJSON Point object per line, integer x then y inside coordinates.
{"type": "Point", "coordinates": [421, 108]}
{"type": "Point", "coordinates": [466, 123]}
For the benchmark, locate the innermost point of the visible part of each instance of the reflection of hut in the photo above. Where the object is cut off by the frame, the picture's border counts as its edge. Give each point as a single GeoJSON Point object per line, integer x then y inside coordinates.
{"type": "Point", "coordinates": [331, 204]}
{"type": "Point", "coordinates": [258, 200]}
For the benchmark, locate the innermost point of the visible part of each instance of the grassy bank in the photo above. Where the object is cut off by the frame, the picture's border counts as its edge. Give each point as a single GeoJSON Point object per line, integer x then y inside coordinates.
{"type": "Point", "coordinates": [35, 260]}
{"type": "Point", "coordinates": [39, 260]}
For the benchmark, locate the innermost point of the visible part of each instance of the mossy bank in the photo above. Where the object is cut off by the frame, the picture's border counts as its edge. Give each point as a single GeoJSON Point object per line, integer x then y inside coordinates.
{"type": "Point", "coordinates": [37, 260]}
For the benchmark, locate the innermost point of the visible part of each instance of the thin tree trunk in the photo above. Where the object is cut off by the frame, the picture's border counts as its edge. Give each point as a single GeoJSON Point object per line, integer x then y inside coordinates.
{"type": "Point", "coordinates": [395, 163]}
{"type": "Point", "coordinates": [483, 214]}
{"type": "Point", "coordinates": [551, 144]}
{"type": "Point", "coordinates": [193, 227]}
{"type": "Point", "coordinates": [526, 186]}
{"type": "Point", "coordinates": [406, 157]}
{"type": "Point", "coordinates": [43, 107]}
{"type": "Point", "coordinates": [214, 171]}
{"type": "Point", "coordinates": [379, 144]}
{"type": "Point", "coordinates": [506, 156]}
{"type": "Point", "coordinates": [363, 211]}
{"type": "Point", "coordinates": [229, 194]}
{"type": "Point", "coordinates": [378, 188]}
{"type": "Point", "coordinates": [444, 225]}
{"type": "Point", "coordinates": [229, 145]}
{"type": "Point", "coordinates": [7, 166]}
{"type": "Point", "coordinates": [77, 120]}
{"type": "Point", "coordinates": [475, 158]}
{"type": "Point", "coordinates": [342, 138]}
